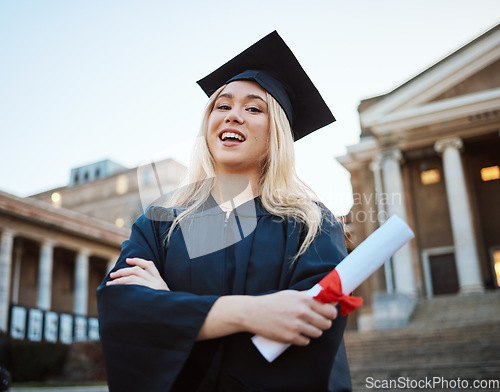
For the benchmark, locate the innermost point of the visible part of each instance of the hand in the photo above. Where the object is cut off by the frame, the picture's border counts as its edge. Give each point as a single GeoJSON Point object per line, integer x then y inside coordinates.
{"type": "Point", "coordinates": [289, 317]}
{"type": "Point", "coordinates": [143, 273]}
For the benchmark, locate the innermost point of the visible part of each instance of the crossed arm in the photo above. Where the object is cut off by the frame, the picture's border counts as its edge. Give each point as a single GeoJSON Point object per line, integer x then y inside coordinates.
{"type": "Point", "coordinates": [287, 316]}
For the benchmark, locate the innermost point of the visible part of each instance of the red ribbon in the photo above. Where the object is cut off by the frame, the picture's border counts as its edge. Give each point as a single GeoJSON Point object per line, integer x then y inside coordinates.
{"type": "Point", "coordinates": [332, 292]}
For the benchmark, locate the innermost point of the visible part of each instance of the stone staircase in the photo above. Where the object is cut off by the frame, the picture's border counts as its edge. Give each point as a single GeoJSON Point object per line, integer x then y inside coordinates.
{"type": "Point", "coordinates": [449, 337]}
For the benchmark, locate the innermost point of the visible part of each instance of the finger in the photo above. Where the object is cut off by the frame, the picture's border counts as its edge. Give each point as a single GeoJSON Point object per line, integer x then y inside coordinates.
{"type": "Point", "coordinates": [126, 280]}
{"type": "Point", "coordinates": [301, 340]}
{"type": "Point", "coordinates": [318, 321]}
{"type": "Point", "coordinates": [130, 271]}
{"type": "Point", "coordinates": [311, 331]}
{"type": "Point", "coordinates": [150, 277]}
{"type": "Point", "coordinates": [328, 311]}
{"type": "Point", "coordinates": [137, 261]}
{"type": "Point", "coordinates": [122, 272]}
{"type": "Point", "coordinates": [315, 316]}
{"type": "Point", "coordinates": [144, 264]}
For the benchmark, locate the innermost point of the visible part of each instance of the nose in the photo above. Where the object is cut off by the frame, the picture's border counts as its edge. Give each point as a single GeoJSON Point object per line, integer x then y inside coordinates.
{"type": "Point", "coordinates": [234, 116]}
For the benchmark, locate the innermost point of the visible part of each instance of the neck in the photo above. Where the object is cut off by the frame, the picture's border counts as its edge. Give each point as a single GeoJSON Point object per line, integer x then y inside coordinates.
{"type": "Point", "coordinates": [232, 190]}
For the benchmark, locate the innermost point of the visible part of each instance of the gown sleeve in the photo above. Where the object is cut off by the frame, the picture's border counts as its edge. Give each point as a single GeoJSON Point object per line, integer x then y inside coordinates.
{"type": "Point", "coordinates": [320, 366]}
{"type": "Point", "coordinates": [326, 251]}
{"type": "Point", "coordinates": [147, 334]}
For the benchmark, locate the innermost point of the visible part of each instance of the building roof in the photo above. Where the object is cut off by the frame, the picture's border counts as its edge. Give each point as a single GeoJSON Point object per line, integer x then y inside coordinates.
{"type": "Point", "coordinates": [367, 102]}
{"type": "Point", "coordinates": [60, 219]}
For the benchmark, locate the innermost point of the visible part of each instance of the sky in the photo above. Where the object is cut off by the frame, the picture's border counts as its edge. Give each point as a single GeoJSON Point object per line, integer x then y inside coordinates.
{"type": "Point", "coordinates": [82, 81]}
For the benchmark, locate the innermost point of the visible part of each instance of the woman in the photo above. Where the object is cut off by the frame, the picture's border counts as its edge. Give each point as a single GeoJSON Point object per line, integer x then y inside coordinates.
{"type": "Point", "coordinates": [230, 254]}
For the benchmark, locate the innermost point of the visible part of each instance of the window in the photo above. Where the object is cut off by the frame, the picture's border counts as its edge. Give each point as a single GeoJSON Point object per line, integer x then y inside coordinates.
{"type": "Point", "coordinates": [121, 184]}
{"type": "Point", "coordinates": [119, 222]}
{"type": "Point", "coordinates": [496, 264]}
{"type": "Point", "coordinates": [97, 173]}
{"type": "Point", "coordinates": [431, 176]}
{"type": "Point", "coordinates": [146, 179]}
{"type": "Point", "coordinates": [490, 173]}
{"type": "Point", "coordinates": [56, 199]}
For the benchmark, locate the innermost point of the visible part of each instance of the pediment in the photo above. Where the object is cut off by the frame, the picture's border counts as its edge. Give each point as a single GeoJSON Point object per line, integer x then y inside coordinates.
{"type": "Point", "coordinates": [486, 79]}
{"type": "Point", "coordinates": [461, 83]}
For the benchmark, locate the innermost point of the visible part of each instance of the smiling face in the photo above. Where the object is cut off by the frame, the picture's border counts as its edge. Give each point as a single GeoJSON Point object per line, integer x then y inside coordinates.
{"type": "Point", "coordinates": [238, 129]}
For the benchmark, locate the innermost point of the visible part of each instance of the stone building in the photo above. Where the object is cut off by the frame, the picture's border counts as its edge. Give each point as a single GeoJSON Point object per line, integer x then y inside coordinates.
{"type": "Point", "coordinates": [111, 192]}
{"type": "Point", "coordinates": [51, 262]}
{"type": "Point", "coordinates": [429, 152]}
{"type": "Point", "coordinates": [57, 246]}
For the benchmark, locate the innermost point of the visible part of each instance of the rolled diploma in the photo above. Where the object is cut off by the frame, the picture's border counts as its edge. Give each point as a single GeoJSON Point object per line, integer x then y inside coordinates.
{"type": "Point", "coordinates": [353, 270]}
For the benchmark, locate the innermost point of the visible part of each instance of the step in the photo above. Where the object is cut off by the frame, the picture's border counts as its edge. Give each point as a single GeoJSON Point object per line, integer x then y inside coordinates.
{"type": "Point", "coordinates": [448, 337]}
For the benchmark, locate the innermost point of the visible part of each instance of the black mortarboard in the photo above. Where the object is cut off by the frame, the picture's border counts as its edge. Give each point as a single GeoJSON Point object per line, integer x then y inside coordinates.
{"type": "Point", "coordinates": [271, 64]}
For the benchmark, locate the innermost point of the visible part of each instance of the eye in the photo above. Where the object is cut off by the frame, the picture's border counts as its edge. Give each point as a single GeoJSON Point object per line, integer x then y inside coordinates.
{"type": "Point", "coordinates": [254, 109]}
{"type": "Point", "coordinates": [223, 107]}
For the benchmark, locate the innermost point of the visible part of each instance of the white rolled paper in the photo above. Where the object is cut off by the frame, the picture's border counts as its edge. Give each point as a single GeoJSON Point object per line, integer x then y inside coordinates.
{"type": "Point", "coordinates": [354, 270]}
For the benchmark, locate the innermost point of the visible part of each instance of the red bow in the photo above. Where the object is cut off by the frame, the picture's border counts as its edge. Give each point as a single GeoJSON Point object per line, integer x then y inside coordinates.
{"type": "Point", "coordinates": [332, 292]}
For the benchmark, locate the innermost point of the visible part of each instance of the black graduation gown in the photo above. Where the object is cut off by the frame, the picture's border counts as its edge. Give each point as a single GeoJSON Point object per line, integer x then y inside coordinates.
{"type": "Point", "coordinates": [149, 336]}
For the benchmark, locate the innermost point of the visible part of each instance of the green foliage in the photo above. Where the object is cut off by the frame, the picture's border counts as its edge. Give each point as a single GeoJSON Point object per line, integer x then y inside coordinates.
{"type": "Point", "coordinates": [36, 361]}
{"type": "Point", "coordinates": [30, 361]}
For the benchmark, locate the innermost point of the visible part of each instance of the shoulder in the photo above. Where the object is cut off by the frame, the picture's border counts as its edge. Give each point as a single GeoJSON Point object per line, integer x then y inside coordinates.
{"type": "Point", "coordinates": [326, 213]}
{"type": "Point", "coordinates": [160, 218]}
{"type": "Point", "coordinates": [160, 214]}
{"type": "Point", "coordinates": [154, 220]}
{"type": "Point", "coordinates": [328, 219]}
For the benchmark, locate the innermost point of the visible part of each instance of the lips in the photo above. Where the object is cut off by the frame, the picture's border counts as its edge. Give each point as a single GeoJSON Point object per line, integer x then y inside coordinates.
{"type": "Point", "coordinates": [231, 135]}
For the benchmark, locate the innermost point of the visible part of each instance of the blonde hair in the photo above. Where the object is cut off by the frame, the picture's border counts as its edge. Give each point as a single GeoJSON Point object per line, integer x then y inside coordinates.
{"type": "Point", "coordinates": [282, 192]}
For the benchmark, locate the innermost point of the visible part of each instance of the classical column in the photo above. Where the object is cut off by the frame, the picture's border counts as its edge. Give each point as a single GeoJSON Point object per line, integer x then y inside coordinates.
{"type": "Point", "coordinates": [81, 283]}
{"type": "Point", "coordinates": [6, 241]}
{"type": "Point", "coordinates": [376, 168]}
{"type": "Point", "coordinates": [469, 276]}
{"type": "Point", "coordinates": [394, 199]}
{"type": "Point", "coordinates": [45, 264]}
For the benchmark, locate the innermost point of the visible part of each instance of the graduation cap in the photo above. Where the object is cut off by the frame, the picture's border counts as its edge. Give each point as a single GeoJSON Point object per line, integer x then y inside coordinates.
{"type": "Point", "coordinates": [271, 64]}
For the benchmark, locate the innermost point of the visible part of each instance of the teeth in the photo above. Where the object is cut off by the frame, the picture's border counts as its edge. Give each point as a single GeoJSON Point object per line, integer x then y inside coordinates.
{"type": "Point", "coordinates": [232, 135]}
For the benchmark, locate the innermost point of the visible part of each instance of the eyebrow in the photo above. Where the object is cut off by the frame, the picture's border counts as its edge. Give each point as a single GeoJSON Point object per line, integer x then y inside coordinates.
{"type": "Point", "coordinates": [254, 96]}
{"type": "Point", "coordinates": [249, 96]}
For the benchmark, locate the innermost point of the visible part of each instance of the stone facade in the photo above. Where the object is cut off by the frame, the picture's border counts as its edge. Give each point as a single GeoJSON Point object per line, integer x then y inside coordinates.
{"type": "Point", "coordinates": [117, 196]}
{"type": "Point", "coordinates": [429, 152]}
{"type": "Point", "coordinates": [57, 246]}
{"type": "Point", "coordinates": [51, 262]}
